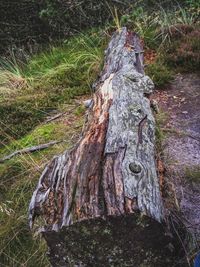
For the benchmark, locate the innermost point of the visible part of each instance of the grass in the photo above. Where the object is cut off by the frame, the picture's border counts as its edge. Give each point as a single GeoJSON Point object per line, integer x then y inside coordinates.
{"type": "Point", "coordinates": [50, 79]}
{"type": "Point", "coordinates": [161, 118]}
{"type": "Point", "coordinates": [18, 179]}
{"type": "Point", "coordinates": [71, 64]}
{"type": "Point", "coordinates": [17, 248]}
{"type": "Point", "coordinates": [172, 34]}
{"type": "Point", "coordinates": [143, 23]}
{"type": "Point", "coordinates": [193, 174]}
{"type": "Point", "coordinates": [53, 82]}
{"type": "Point", "coordinates": [11, 72]}
{"type": "Point", "coordinates": [159, 73]}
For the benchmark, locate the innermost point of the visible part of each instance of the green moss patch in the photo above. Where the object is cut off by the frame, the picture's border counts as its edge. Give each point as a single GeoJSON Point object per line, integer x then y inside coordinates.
{"type": "Point", "coordinates": [193, 174]}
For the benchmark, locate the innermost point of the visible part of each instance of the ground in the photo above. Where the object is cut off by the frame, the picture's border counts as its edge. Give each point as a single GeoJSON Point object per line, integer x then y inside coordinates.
{"type": "Point", "coordinates": [179, 106]}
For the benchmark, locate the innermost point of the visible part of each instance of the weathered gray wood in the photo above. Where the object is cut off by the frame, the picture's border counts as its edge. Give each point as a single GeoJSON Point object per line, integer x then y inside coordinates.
{"type": "Point", "coordinates": [112, 169]}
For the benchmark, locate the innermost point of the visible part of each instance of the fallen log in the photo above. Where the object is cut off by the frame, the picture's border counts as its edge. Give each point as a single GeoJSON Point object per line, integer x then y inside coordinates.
{"type": "Point", "coordinates": [101, 201]}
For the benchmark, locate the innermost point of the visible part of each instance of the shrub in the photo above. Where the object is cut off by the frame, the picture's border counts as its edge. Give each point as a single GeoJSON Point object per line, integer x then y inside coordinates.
{"type": "Point", "coordinates": [184, 51]}
{"type": "Point", "coordinates": [143, 23]}
{"type": "Point", "coordinates": [193, 174]}
{"type": "Point", "coordinates": [159, 73]}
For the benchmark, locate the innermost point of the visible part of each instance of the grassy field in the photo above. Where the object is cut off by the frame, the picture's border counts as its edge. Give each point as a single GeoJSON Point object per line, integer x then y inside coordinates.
{"type": "Point", "coordinates": [55, 82]}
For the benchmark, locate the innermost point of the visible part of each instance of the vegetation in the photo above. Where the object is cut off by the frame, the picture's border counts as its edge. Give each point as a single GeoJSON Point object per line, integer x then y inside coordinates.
{"type": "Point", "coordinates": [159, 73]}
{"type": "Point", "coordinates": [46, 82]}
{"type": "Point", "coordinates": [173, 35]}
{"type": "Point", "coordinates": [193, 174]}
{"type": "Point", "coordinates": [184, 52]}
{"type": "Point", "coordinates": [36, 87]}
{"type": "Point", "coordinates": [18, 178]}
{"type": "Point", "coordinates": [161, 119]}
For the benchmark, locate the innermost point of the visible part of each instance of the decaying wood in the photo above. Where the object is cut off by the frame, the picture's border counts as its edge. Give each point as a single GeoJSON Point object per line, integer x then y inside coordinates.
{"type": "Point", "coordinates": [111, 170]}
{"type": "Point", "coordinates": [29, 150]}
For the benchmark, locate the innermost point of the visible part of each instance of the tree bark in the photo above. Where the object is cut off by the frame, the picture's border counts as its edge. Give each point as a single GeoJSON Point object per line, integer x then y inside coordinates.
{"type": "Point", "coordinates": [110, 173]}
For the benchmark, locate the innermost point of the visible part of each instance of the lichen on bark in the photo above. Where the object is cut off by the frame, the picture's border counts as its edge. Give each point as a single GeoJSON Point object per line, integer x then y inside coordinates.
{"type": "Point", "coordinates": [111, 171]}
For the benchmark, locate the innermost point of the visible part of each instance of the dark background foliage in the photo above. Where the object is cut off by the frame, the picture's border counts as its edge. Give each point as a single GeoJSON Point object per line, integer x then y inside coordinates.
{"type": "Point", "coordinates": [39, 21]}
{"type": "Point", "coordinates": [30, 21]}
{"type": "Point", "coordinates": [20, 22]}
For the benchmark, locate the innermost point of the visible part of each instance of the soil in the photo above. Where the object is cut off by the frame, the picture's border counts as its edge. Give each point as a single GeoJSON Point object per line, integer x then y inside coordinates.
{"type": "Point", "coordinates": [181, 146]}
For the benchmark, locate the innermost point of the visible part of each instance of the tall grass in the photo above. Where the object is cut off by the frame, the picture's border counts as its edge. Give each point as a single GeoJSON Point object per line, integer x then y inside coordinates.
{"type": "Point", "coordinates": [11, 73]}
{"type": "Point", "coordinates": [18, 178]}
{"type": "Point", "coordinates": [173, 34]}
{"type": "Point", "coordinates": [80, 57]}
{"type": "Point", "coordinates": [155, 26]}
{"type": "Point", "coordinates": [49, 79]}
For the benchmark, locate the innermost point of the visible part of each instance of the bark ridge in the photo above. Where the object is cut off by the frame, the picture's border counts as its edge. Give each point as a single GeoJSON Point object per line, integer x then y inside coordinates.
{"type": "Point", "coordinates": [111, 170]}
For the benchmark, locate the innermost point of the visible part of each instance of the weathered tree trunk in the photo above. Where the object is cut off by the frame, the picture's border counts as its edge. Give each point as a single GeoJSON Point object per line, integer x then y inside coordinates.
{"type": "Point", "coordinates": [109, 175]}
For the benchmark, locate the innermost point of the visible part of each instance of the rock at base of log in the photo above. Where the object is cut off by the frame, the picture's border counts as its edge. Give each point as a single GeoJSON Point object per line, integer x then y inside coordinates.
{"type": "Point", "coordinates": [131, 240]}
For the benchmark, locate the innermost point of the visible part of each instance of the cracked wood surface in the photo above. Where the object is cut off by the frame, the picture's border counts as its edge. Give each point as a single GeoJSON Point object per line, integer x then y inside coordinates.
{"type": "Point", "coordinates": [111, 170]}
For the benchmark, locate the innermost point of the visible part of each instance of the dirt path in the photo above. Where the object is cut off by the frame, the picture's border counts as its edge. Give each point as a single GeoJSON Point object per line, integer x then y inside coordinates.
{"type": "Point", "coordinates": [181, 105]}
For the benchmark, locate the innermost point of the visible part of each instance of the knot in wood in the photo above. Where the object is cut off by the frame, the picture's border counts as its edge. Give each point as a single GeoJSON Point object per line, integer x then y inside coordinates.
{"type": "Point", "coordinates": [135, 167]}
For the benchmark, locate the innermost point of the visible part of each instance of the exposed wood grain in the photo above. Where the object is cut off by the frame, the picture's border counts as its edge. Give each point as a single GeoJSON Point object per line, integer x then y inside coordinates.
{"type": "Point", "coordinates": [112, 169]}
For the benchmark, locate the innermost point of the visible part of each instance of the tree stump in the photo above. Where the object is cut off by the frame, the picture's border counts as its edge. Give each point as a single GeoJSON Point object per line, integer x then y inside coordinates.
{"type": "Point", "coordinates": [101, 201]}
